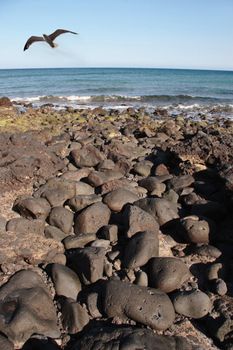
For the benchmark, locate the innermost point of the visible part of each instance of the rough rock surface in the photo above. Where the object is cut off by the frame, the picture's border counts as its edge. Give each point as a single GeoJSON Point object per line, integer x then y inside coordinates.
{"type": "Point", "coordinates": [27, 308]}
{"type": "Point", "coordinates": [150, 307]}
{"type": "Point", "coordinates": [120, 338]}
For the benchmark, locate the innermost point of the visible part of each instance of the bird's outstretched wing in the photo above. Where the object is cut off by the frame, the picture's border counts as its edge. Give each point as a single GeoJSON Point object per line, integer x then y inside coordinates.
{"type": "Point", "coordinates": [59, 32]}
{"type": "Point", "coordinates": [31, 40]}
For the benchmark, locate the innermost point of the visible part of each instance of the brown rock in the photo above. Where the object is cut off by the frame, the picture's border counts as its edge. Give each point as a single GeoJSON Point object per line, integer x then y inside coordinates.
{"type": "Point", "coordinates": [88, 156]}
{"type": "Point", "coordinates": [116, 199]}
{"type": "Point", "coordinates": [91, 219]}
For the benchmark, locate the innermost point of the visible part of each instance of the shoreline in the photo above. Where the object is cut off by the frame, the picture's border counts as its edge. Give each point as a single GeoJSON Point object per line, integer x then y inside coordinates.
{"type": "Point", "coordinates": [102, 170]}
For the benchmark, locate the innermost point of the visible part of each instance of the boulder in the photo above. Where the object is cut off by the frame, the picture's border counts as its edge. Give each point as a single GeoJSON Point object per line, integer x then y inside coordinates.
{"type": "Point", "coordinates": [61, 218]}
{"type": "Point", "coordinates": [194, 304]}
{"type": "Point", "coordinates": [80, 202]}
{"type": "Point", "coordinates": [167, 274]}
{"type": "Point", "coordinates": [161, 209]}
{"type": "Point", "coordinates": [141, 248]}
{"type": "Point", "coordinates": [126, 338]}
{"type": "Point", "coordinates": [26, 308]}
{"type": "Point", "coordinates": [33, 208]}
{"type": "Point", "coordinates": [136, 220]}
{"type": "Point", "coordinates": [88, 156]}
{"type": "Point", "coordinates": [22, 225]}
{"type": "Point", "coordinates": [88, 263]}
{"type": "Point", "coordinates": [147, 306]}
{"type": "Point", "coordinates": [66, 281]}
{"type": "Point", "coordinates": [116, 199]}
{"type": "Point", "coordinates": [74, 316]}
{"type": "Point", "coordinates": [92, 218]}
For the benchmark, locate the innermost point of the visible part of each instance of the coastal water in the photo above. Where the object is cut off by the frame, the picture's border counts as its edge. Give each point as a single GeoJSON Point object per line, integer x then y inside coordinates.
{"type": "Point", "coordinates": [120, 87]}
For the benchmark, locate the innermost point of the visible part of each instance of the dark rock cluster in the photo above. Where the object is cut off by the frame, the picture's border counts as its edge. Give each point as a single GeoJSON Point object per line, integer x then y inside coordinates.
{"type": "Point", "coordinates": [128, 233]}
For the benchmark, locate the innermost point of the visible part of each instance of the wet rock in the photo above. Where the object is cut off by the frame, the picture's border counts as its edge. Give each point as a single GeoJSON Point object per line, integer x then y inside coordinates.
{"type": "Point", "coordinates": [141, 248]}
{"type": "Point", "coordinates": [161, 209]}
{"type": "Point", "coordinates": [61, 218]}
{"type": "Point", "coordinates": [22, 225]}
{"type": "Point", "coordinates": [27, 308]}
{"type": "Point", "coordinates": [98, 178]}
{"type": "Point", "coordinates": [54, 233]}
{"type": "Point", "coordinates": [167, 274]}
{"type": "Point", "coordinates": [195, 230]}
{"type": "Point", "coordinates": [135, 220]}
{"type": "Point", "coordinates": [91, 219]}
{"type": "Point", "coordinates": [194, 304]}
{"type": "Point", "coordinates": [88, 156]}
{"type": "Point", "coordinates": [78, 241]}
{"type": "Point", "coordinates": [80, 202]}
{"type": "Point", "coordinates": [66, 281]}
{"type": "Point", "coordinates": [74, 316]}
{"type": "Point", "coordinates": [27, 247]}
{"type": "Point", "coordinates": [33, 208]}
{"type": "Point", "coordinates": [122, 338]}
{"type": "Point", "coordinates": [116, 199]}
{"type": "Point", "coordinates": [88, 263]}
{"type": "Point", "coordinates": [150, 307]}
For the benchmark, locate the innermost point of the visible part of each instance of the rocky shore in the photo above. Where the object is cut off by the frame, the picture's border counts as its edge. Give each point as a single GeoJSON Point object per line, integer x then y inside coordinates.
{"type": "Point", "coordinates": [116, 230]}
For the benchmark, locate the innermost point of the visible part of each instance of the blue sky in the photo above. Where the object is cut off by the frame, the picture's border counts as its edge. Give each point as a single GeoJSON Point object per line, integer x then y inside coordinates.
{"type": "Point", "coordinates": [119, 33]}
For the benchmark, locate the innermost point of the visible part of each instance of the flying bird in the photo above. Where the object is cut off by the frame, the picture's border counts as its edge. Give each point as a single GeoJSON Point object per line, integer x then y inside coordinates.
{"type": "Point", "coordinates": [47, 38]}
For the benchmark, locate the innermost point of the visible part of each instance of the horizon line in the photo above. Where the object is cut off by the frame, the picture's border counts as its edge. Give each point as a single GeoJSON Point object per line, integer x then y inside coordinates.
{"type": "Point", "coordinates": [123, 67]}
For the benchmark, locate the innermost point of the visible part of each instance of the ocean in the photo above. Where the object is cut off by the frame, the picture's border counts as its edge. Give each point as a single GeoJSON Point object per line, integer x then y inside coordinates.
{"type": "Point", "coordinates": [175, 89]}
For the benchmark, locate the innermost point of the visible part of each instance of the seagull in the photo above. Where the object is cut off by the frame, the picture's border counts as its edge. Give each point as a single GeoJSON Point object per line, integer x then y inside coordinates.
{"type": "Point", "coordinates": [47, 38]}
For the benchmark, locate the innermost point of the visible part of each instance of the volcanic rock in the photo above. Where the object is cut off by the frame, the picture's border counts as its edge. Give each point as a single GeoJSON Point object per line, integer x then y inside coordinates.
{"type": "Point", "coordinates": [80, 202]}
{"type": "Point", "coordinates": [116, 199]}
{"type": "Point", "coordinates": [22, 225]}
{"type": "Point", "coordinates": [61, 218]}
{"type": "Point", "coordinates": [74, 316]}
{"type": "Point", "coordinates": [150, 307]}
{"type": "Point", "coordinates": [88, 156]}
{"type": "Point", "coordinates": [33, 208]}
{"type": "Point", "coordinates": [195, 304]}
{"type": "Point", "coordinates": [92, 218]}
{"type": "Point", "coordinates": [125, 338]}
{"type": "Point", "coordinates": [141, 248]}
{"type": "Point", "coordinates": [167, 274]}
{"type": "Point", "coordinates": [161, 209]}
{"type": "Point", "coordinates": [136, 220]}
{"type": "Point", "coordinates": [66, 281]}
{"type": "Point", "coordinates": [27, 308]}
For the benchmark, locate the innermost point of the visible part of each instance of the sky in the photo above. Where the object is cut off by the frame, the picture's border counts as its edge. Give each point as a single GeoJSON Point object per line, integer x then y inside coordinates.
{"type": "Point", "coordinates": [196, 34]}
